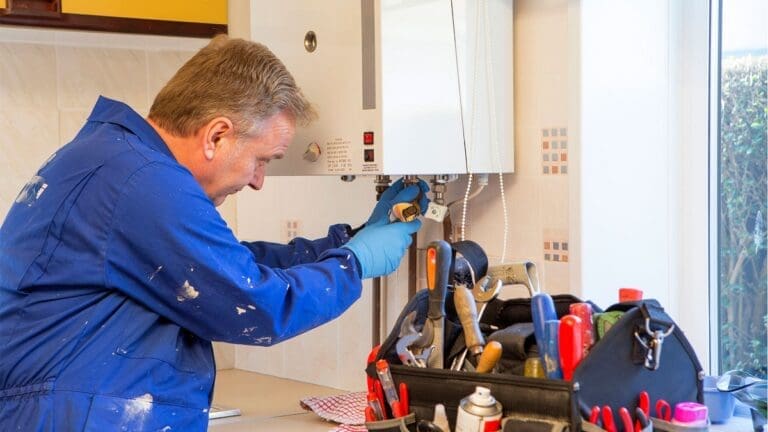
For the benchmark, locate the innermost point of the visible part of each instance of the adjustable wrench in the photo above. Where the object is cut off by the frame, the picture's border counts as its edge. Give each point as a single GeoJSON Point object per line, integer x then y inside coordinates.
{"type": "Point", "coordinates": [485, 290]}
{"type": "Point", "coordinates": [523, 273]}
{"type": "Point", "coordinates": [411, 339]}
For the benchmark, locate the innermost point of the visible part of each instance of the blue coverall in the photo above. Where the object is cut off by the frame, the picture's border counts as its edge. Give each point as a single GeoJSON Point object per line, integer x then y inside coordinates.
{"type": "Point", "coordinates": [117, 272]}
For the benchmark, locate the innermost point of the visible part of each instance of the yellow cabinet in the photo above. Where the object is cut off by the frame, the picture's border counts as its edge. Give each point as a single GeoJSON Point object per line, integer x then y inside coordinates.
{"type": "Point", "coordinates": [197, 18]}
{"type": "Point", "coordinates": [198, 11]}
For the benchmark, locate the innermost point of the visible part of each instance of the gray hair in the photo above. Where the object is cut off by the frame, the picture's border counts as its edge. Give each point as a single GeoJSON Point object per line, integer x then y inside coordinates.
{"type": "Point", "coordinates": [238, 79]}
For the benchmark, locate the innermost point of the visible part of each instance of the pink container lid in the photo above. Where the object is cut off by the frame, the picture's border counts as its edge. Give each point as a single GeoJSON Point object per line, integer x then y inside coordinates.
{"type": "Point", "coordinates": [690, 412]}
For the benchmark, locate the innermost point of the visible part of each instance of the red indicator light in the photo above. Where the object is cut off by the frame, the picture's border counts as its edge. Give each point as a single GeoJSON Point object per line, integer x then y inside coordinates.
{"type": "Point", "coordinates": [368, 138]}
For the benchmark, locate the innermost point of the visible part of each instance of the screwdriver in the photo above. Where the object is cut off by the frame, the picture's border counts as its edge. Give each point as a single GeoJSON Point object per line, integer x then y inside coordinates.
{"type": "Point", "coordinates": [375, 406]}
{"type": "Point", "coordinates": [382, 369]}
{"type": "Point", "coordinates": [570, 346]}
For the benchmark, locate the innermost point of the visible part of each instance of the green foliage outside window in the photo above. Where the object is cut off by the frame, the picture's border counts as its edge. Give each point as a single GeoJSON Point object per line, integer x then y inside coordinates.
{"type": "Point", "coordinates": [742, 229]}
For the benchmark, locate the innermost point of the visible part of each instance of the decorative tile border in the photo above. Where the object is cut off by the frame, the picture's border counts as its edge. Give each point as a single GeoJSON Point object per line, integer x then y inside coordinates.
{"type": "Point", "coordinates": [556, 250]}
{"type": "Point", "coordinates": [554, 151]}
{"type": "Point", "coordinates": [291, 229]}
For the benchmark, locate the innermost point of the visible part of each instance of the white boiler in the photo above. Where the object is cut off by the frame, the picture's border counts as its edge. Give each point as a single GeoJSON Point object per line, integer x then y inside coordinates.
{"type": "Point", "coordinates": [414, 87]}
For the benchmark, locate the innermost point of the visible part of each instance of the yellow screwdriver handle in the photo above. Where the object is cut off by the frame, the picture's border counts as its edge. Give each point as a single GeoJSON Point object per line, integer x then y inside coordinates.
{"type": "Point", "coordinates": [490, 356]}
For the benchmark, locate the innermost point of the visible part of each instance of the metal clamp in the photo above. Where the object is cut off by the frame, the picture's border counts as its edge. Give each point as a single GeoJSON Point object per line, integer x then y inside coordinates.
{"type": "Point", "coordinates": [653, 345]}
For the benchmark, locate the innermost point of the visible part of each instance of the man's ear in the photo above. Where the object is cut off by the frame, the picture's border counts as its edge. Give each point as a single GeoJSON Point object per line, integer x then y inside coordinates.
{"type": "Point", "coordinates": [215, 132]}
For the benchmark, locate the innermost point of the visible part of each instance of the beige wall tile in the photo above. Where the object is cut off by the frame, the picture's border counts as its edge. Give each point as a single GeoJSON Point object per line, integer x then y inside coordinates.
{"type": "Point", "coordinates": [224, 354]}
{"type": "Point", "coordinates": [354, 342]}
{"type": "Point", "coordinates": [312, 357]}
{"type": "Point", "coordinates": [10, 186]}
{"type": "Point", "coordinates": [161, 66]}
{"type": "Point", "coordinates": [267, 360]}
{"type": "Point", "coordinates": [70, 123]}
{"type": "Point", "coordinates": [9, 33]}
{"type": "Point", "coordinates": [27, 76]}
{"type": "Point", "coordinates": [86, 73]}
{"type": "Point", "coordinates": [128, 41]}
{"type": "Point", "coordinates": [30, 136]}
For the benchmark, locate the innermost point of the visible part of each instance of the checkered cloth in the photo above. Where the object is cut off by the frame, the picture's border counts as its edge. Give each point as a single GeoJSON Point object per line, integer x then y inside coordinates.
{"type": "Point", "coordinates": [347, 409]}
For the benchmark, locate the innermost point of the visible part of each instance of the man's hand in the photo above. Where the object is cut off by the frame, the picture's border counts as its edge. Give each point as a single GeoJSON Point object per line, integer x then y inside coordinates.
{"type": "Point", "coordinates": [379, 248]}
{"type": "Point", "coordinates": [397, 193]}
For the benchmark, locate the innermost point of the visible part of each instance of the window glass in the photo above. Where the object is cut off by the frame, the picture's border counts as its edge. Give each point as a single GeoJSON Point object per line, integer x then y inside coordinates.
{"type": "Point", "coordinates": [742, 186]}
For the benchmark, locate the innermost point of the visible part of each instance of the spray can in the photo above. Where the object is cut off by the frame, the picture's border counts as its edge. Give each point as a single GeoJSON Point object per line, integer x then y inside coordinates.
{"type": "Point", "coordinates": [479, 412]}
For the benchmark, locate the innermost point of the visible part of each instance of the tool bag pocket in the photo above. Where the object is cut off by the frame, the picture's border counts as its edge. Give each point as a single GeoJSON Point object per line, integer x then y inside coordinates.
{"type": "Point", "coordinates": [616, 369]}
{"type": "Point", "coordinates": [643, 351]}
{"type": "Point", "coordinates": [400, 424]}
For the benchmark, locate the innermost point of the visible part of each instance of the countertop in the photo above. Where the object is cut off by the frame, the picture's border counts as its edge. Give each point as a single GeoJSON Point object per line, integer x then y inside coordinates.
{"type": "Point", "coordinates": [267, 403]}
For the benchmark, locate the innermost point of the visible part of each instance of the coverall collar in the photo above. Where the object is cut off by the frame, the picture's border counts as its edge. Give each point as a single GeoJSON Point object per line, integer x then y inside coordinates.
{"type": "Point", "coordinates": [111, 111]}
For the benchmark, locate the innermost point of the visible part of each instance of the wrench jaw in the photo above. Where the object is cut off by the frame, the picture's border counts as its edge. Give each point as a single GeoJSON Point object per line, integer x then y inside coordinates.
{"type": "Point", "coordinates": [486, 289]}
{"type": "Point", "coordinates": [411, 340]}
{"type": "Point", "coordinates": [405, 351]}
{"type": "Point", "coordinates": [436, 354]}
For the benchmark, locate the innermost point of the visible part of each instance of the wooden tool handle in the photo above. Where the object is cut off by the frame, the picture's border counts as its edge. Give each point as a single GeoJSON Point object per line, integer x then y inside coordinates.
{"type": "Point", "coordinates": [467, 311]}
{"type": "Point", "coordinates": [489, 357]}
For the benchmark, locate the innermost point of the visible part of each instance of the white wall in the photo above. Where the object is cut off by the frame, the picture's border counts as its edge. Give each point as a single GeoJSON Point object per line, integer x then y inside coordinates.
{"type": "Point", "coordinates": [624, 142]}
{"type": "Point", "coordinates": [640, 202]}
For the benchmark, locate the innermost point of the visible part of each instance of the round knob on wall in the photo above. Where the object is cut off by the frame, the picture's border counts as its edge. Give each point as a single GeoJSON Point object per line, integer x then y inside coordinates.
{"type": "Point", "coordinates": [312, 153]}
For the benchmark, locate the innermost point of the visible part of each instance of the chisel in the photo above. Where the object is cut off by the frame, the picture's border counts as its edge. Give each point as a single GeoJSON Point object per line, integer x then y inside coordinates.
{"type": "Point", "coordinates": [467, 311]}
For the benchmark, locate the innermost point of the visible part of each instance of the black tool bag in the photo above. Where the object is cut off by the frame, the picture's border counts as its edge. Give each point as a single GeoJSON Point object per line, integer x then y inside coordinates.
{"type": "Point", "coordinates": [613, 373]}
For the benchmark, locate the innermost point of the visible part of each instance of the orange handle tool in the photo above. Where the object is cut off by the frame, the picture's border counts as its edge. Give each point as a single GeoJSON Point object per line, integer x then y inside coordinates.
{"type": "Point", "coordinates": [489, 357]}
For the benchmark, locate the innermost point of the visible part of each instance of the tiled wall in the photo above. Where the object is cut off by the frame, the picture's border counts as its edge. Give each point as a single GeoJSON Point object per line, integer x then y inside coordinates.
{"type": "Point", "coordinates": [49, 81]}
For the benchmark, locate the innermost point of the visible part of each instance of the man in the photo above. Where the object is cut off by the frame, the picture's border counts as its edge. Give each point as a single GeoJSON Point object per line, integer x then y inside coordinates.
{"type": "Point", "coordinates": [116, 270]}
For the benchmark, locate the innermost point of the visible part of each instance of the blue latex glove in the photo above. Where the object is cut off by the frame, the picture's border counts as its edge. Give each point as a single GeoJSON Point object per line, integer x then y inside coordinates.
{"type": "Point", "coordinates": [396, 193]}
{"type": "Point", "coordinates": [379, 248]}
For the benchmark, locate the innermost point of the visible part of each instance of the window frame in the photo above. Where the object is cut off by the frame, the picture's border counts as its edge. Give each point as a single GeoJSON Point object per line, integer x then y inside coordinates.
{"type": "Point", "coordinates": [715, 76]}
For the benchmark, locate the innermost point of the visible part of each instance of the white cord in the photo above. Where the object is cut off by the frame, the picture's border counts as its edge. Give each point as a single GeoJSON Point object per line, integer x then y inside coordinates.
{"type": "Point", "coordinates": [464, 209]}
{"type": "Point", "coordinates": [493, 132]}
{"type": "Point", "coordinates": [482, 182]}
{"type": "Point", "coordinates": [473, 118]}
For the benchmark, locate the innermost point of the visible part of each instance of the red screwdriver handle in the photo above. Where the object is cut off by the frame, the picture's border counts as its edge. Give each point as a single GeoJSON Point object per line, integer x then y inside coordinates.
{"type": "Point", "coordinates": [570, 345]}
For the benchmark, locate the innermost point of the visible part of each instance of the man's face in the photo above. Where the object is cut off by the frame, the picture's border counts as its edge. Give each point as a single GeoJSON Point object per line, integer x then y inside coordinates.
{"type": "Point", "coordinates": [242, 162]}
